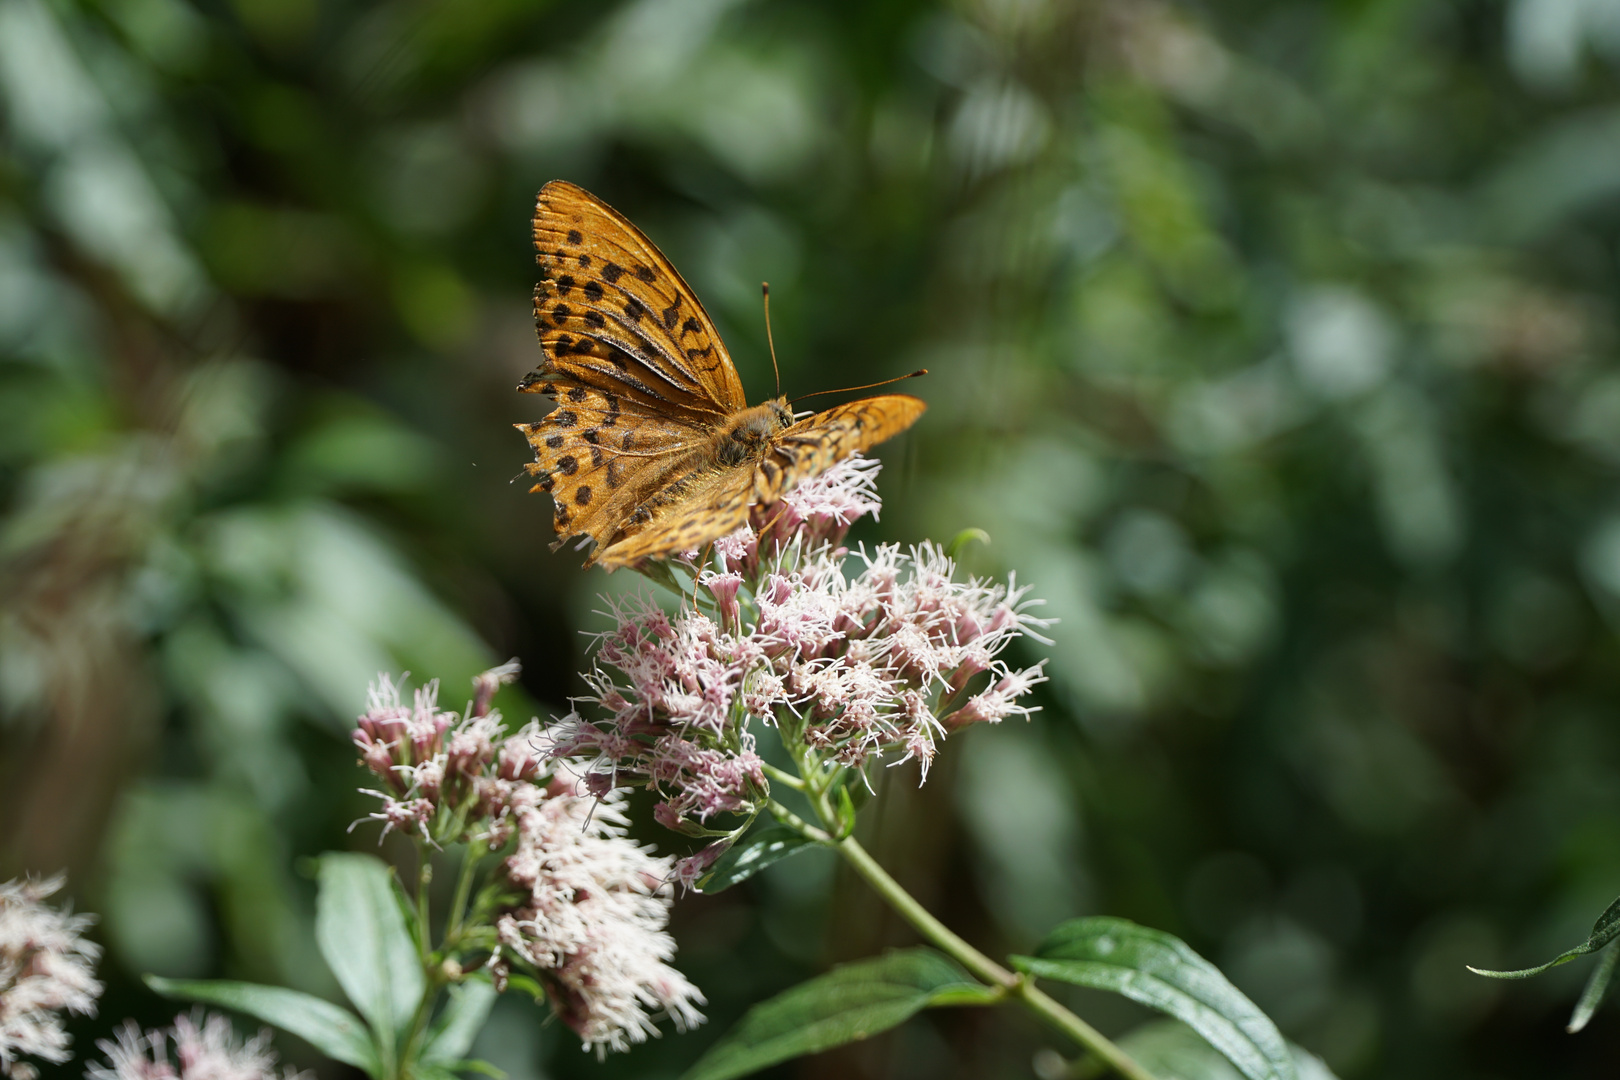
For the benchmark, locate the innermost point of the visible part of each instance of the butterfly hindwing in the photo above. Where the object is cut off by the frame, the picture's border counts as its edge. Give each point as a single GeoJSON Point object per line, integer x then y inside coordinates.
{"type": "Point", "coordinates": [715, 504]}
{"type": "Point", "coordinates": [595, 454]}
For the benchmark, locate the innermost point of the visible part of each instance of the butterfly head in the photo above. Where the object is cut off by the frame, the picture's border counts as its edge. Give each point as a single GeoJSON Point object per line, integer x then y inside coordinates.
{"type": "Point", "coordinates": [746, 433]}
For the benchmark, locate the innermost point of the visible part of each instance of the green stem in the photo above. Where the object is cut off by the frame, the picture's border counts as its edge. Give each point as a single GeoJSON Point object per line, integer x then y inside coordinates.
{"type": "Point", "coordinates": [781, 777]}
{"type": "Point", "coordinates": [1017, 986]}
{"type": "Point", "coordinates": [1020, 987]}
{"type": "Point", "coordinates": [458, 905]}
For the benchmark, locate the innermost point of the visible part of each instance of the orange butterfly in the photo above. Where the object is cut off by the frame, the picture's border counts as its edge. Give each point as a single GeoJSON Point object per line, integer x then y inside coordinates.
{"type": "Point", "coordinates": [653, 449]}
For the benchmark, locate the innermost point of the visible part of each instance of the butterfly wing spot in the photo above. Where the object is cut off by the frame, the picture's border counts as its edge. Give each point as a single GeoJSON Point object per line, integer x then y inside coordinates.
{"type": "Point", "coordinates": [594, 291]}
{"type": "Point", "coordinates": [575, 237]}
{"type": "Point", "coordinates": [564, 418]}
{"type": "Point", "coordinates": [568, 464]}
{"type": "Point", "coordinates": [554, 441]}
{"type": "Point", "coordinates": [646, 275]}
{"type": "Point", "coordinates": [612, 272]}
{"type": "Point", "coordinates": [583, 495]}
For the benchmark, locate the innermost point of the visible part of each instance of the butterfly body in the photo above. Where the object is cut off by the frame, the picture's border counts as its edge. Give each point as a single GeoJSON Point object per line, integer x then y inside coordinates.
{"type": "Point", "coordinates": [653, 449]}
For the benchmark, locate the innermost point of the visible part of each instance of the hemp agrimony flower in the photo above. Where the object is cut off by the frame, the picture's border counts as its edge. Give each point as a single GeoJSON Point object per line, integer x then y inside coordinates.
{"type": "Point", "coordinates": [851, 656]}
{"type": "Point", "coordinates": [46, 969]}
{"type": "Point", "coordinates": [571, 903]}
{"type": "Point", "coordinates": [207, 1050]}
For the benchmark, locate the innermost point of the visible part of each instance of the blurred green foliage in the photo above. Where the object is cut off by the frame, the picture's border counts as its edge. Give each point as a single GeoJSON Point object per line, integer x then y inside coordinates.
{"type": "Point", "coordinates": [1274, 343]}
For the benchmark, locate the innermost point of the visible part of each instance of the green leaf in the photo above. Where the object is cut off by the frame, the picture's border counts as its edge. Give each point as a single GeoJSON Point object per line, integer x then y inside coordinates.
{"type": "Point", "coordinates": [1160, 970]}
{"type": "Point", "coordinates": [848, 1003]}
{"type": "Point", "coordinates": [1605, 930]}
{"type": "Point", "coordinates": [1172, 1049]}
{"type": "Point", "coordinates": [458, 1024]}
{"type": "Point", "coordinates": [1596, 986]}
{"type": "Point", "coordinates": [752, 854]}
{"type": "Point", "coordinates": [363, 937]}
{"type": "Point", "coordinates": [334, 1031]}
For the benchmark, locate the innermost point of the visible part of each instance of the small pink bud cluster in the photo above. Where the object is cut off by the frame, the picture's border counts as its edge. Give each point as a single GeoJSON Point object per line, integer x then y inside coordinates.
{"type": "Point", "coordinates": [46, 969]}
{"type": "Point", "coordinates": [443, 772]}
{"type": "Point", "coordinates": [857, 665]}
{"type": "Point", "coordinates": [207, 1050]}
{"type": "Point", "coordinates": [580, 905]}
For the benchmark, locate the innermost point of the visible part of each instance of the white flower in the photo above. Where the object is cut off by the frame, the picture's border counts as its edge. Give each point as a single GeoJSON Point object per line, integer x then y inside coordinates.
{"type": "Point", "coordinates": [206, 1052]}
{"type": "Point", "coordinates": [593, 920]}
{"type": "Point", "coordinates": [46, 969]}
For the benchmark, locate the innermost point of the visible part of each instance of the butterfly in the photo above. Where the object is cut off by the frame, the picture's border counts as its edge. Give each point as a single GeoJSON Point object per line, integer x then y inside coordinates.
{"type": "Point", "coordinates": [653, 449]}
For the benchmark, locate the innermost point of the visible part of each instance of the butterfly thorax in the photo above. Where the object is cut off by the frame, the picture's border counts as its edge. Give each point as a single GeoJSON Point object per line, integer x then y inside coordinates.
{"type": "Point", "coordinates": [744, 435]}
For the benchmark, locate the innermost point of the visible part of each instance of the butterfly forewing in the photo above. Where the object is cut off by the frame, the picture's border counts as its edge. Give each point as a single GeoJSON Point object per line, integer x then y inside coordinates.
{"type": "Point", "coordinates": [607, 294]}
{"type": "Point", "coordinates": [817, 442]}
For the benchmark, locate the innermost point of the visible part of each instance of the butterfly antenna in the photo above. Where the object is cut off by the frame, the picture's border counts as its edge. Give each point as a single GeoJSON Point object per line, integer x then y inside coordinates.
{"type": "Point", "coordinates": [765, 290]}
{"type": "Point", "coordinates": [868, 386]}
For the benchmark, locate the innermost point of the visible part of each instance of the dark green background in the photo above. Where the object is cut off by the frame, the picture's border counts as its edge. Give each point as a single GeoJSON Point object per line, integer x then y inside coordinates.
{"type": "Point", "coordinates": [1273, 343]}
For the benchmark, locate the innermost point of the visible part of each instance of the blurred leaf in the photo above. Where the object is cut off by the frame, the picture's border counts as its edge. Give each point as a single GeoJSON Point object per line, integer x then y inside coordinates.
{"type": "Point", "coordinates": [363, 937]}
{"type": "Point", "coordinates": [333, 1031]}
{"type": "Point", "coordinates": [1597, 984]}
{"type": "Point", "coordinates": [453, 1032]}
{"type": "Point", "coordinates": [963, 539]}
{"type": "Point", "coordinates": [1603, 931]}
{"type": "Point", "coordinates": [1159, 970]}
{"type": "Point", "coordinates": [752, 854]}
{"type": "Point", "coordinates": [850, 1002]}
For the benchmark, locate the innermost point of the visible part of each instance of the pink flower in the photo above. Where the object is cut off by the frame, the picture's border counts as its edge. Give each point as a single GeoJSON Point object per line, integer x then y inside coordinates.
{"type": "Point", "coordinates": [206, 1052]}
{"type": "Point", "coordinates": [443, 773]}
{"type": "Point", "coordinates": [46, 969]}
{"type": "Point", "coordinates": [998, 702]}
{"type": "Point", "coordinates": [592, 920]}
{"type": "Point", "coordinates": [853, 656]}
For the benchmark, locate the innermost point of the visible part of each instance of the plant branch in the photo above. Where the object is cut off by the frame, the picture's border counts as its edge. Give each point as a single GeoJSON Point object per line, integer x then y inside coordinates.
{"type": "Point", "coordinates": [1021, 987]}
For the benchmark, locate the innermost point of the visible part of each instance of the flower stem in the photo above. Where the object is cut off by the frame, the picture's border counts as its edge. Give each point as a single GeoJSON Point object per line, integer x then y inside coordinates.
{"type": "Point", "coordinates": [458, 906]}
{"type": "Point", "coordinates": [782, 777]}
{"type": "Point", "coordinates": [1021, 987]}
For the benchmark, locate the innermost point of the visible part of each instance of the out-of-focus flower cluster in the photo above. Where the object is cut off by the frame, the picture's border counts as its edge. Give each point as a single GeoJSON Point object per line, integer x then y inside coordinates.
{"type": "Point", "coordinates": [573, 900]}
{"type": "Point", "coordinates": [205, 1048]}
{"type": "Point", "coordinates": [851, 661]}
{"type": "Point", "coordinates": [46, 969]}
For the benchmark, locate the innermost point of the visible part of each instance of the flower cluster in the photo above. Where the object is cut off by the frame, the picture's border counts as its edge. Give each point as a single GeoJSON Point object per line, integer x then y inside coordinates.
{"type": "Point", "coordinates": [592, 920]}
{"type": "Point", "coordinates": [576, 902]}
{"type": "Point", "coordinates": [46, 969]}
{"type": "Point", "coordinates": [444, 774]}
{"type": "Point", "coordinates": [205, 1048]}
{"type": "Point", "coordinates": [850, 663]}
